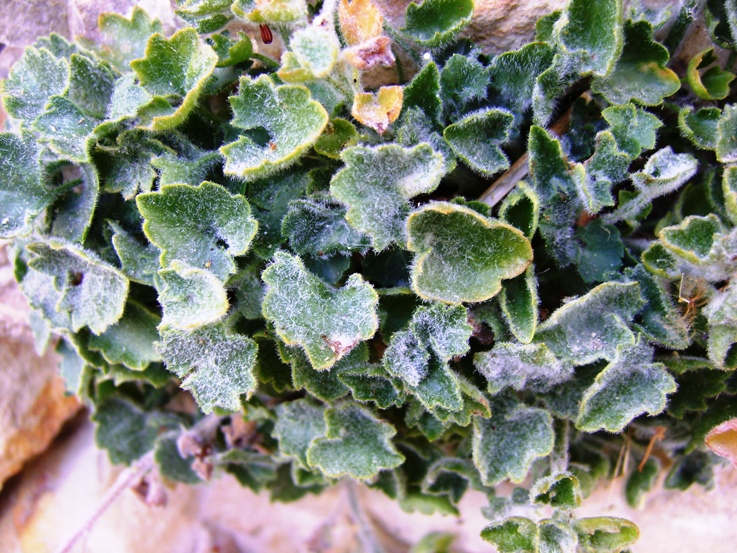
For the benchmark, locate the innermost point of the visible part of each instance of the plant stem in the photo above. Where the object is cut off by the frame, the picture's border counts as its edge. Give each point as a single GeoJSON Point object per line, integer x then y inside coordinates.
{"type": "Point", "coordinates": [365, 532]}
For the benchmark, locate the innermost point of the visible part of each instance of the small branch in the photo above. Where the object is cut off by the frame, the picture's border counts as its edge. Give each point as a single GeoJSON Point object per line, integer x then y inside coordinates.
{"type": "Point", "coordinates": [124, 481]}
{"type": "Point", "coordinates": [365, 532]}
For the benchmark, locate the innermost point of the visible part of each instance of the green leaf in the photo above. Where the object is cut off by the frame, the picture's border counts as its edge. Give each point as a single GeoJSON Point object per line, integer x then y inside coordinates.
{"type": "Point", "coordinates": [729, 190]}
{"type": "Point", "coordinates": [127, 431]}
{"type": "Point", "coordinates": [277, 12]}
{"type": "Point", "coordinates": [316, 50]}
{"type": "Point", "coordinates": [700, 127]}
{"type": "Point", "coordinates": [317, 226]}
{"type": "Point", "coordinates": [327, 322]}
{"type": "Point", "coordinates": [174, 71]}
{"type": "Point", "coordinates": [591, 34]}
{"type": "Point", "coordinates": [476, 138]}
{"type": "Point", "coordinates": [708, 81]}
{"type": "Point", "coordinates": [434, 542]}
{"type": "Point", "coordinates": [518, 301]}
{"type": "Point", "coordinates": [190, 297]}
{"type": "Point", "coordinates": [90, 85]}
{"type": "Point", "coordinates": [73, 211]}
{"type": "Point", "coordinates": [35, 78]}
{"type": "Point", "coordinates": [605, 534]}
{"type": "Point", "coordinates": [640, 482]}
{"type": "Point", "coordinates": [423, 92]}
{"type": "Point", "coordinates": [298, 423]}
{"type": "Point", "coordinates": [356, 444]}
{"type": "Point", "coordinates": [633, 128]}
{"type": "Point", "coordinates": [560, 490]}
{"type": "Point", "coordinates": [138, 262]}
{"type": "Point", "coordinates": [721, 313]}
{"type": "Point", "coordinates": [66, 129]}
{"type": "Point", "coordinates": [215, 365]}
{"type": "Point", "coordinates": [629, 385]}
{"type": "Point", "coordinates": [291, 118]}
{"type": "Point", "coordinates": [22, 192]}
{"type": "Point", "coordinates": [207, 16]}
{"type": "Point", "coordinates": [324, 385]}
{"type": "Point", "coordinates": [461, 255]}
{"type": "Point", "coordinates": [122, 40]}
{"type": "Point", "coordinates": [464, 80]}
{"type": "Point", "coordinates": [190, 170]}
{"type": "Point", "coordinates": [595, 178]}
{"type": "Point", "coordinates": [339, 134]}
{"type": "Point", "coordinates": [371, 383]}
{"type": "Point", "coordinates": [377, 183]}
{"type": "Point", "coordinates": [450, 476]}
{"type": "Point", "coordinates": [170, 463]}
{"type": "Point", "coordinates": [556, 537]}
{"type": "Point", "coordinates": [131, 340]}
{"type": "Point", "coordinates": [640, 75]}
{"type": "Point", "coordinates": [231, 52]}
{"type": "Point", "coordinates": [512, 535]}
{"type": "Point", "coordinates": [726, 147]}
{"type": "Point", "coordinates": [92, 292]}
{"type": "Point", "coordinates": [600, 257]}
{"type": "Point", "coordinates": [505, 445]}
{"type": "Point", "coordinates": [694, 468]}
{"type": "Point", "coordinates": [521, 366]}
{"type": "Point", "coordinates": [436, 22]}
{"type": "Point", "coordinates": [521, 209]}
{"type": "Point", "coordinates": [696, 239]}
{"type": "Point", "coordinates": [204, 226]}
{"type": "Point", "coordinates": [439, 388]}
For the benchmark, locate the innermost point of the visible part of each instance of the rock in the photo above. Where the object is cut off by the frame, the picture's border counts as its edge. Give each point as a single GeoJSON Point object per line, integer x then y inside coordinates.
{"type": "Point", "coordinates": [34, 404]}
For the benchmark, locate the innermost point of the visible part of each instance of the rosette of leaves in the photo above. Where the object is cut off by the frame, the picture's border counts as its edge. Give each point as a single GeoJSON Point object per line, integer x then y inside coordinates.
{"type": "Point", "coordinates": [310, 260]}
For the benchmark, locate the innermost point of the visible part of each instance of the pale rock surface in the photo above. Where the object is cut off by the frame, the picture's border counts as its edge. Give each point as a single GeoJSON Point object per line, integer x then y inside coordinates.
{"type": "Point", "coordinates": [33, 404]}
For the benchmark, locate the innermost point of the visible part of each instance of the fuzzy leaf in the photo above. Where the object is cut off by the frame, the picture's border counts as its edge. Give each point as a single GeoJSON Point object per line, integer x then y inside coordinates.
{"type": "Point", "coordinates": [729, 191]}
{"type": "Point", "coordinates": [708, 81]}
{"type": "Point", "coordinates": [371, 383]}
{"type": "Point", "coordinates": [423, 92]}
{"type": "Point", "coordinates": [518, 301]}
{"type": "Point", "coordinates": [131, 340]}
{"type": "Point", "coordinates": [123, 40]}
{"type": "Point", "coordinates": [595, 178]}
{"type": "Point", "coordinates": [276, 11]}
{"type": "Point", "coordinates": [633, 128]}
{"type": "Point", "coordinates": [298, 422]}
{"type": "Point", "coordinates": [629, 386]}
{"type": "Point", "coordinates": [556, 537]}
{"type": "Point", "coordinates": [600, 258]}
{"type": "Point", "coordinates": [505, 445]}
{"type": "Point", "coordinates": [521, 366]}
{"type": "Point", "coordinates": [476, 138]}
{"type": "Point", "coordinates": [356, 444]}
{"type": "Point", "coordinates": [640, 482]}
{"type": "Point", "coordinates": [66, 129]}
{"type": "Point", "coordinates": [91, 291]}
{"type": "Point", "coordinates": [377, 183]}
{"type": "Point", "coordinates": [696, 239]}
{"type": "Point", "coordinates": [291, 118]}
{"type": "Point", "coordinates": [177, 67]}
{"type": "Point", "coordinates": [360, 20]}
{"type": "Point", "coordinates": [439, 388]}
{"type": "Point", "coordinates": [726, 147]}
{"type": "Point", "coordinates": [521, 209]}
{"type": "Point", "coordinates": [721, 312]}
{"type": "Point", "coordinates": [35, 78]}
{"type": "Point", "coordinates": [138, 263]}
{"type": "Point", "coordinates": [203, 226]}
{"type": "Point", "coordinates": [512, 535]}
{"type": "Point", "coordinates": [324, 385]}
{"type": "Point", "coordinates": [560, 490]}
{"type": "Point", "coordinates": [461, 255]}
{"type": "Point", "coordinates": [22, 193]}
{"type": "Point", "coordinates": [327, 322]}
{"type": "Point", "coordinates": [206, 16]}
{"type": "Point", "coordinates": [339, 134]}
{"type": "Point", "coordinates": [318, 227]}
{"type": "Point", "coordinates": [591, 34]}
{"type": "Point", "coordinates": [74, 209]}
{"type": "Point", "coordinates": [90, 85]}
{"type": "Point", "coordinates": [436, 22]}
{"type": "Point", "coordinates": [379, 110]}
{"type": "Point", "coordinates": [594, 325]}
{"type": "Point", "coordinates": [464, 80]}
{"type": "Point", "coordinates": [700, 127]}
{"type": "Point", "coordinates": [215, 365]}
{"type": "Point", "coordinates": [605, 534]}
{"type": "Point", "coordinates": [190, 297]}
{"type": "Point", "coordinates": [316, 50]}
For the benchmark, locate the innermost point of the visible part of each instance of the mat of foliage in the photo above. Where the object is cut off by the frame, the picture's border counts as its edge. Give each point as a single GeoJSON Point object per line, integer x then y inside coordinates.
{"type": "Point", "coordinates": [311, 261]}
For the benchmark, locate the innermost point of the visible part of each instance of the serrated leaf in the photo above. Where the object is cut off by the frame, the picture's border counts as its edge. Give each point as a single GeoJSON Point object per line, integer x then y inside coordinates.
{"type": "Point", "coordinates": [204, 226]}
{"type": "Point", "coordinates": [450, 476]}
{"type": "Point", "coordinates": [128, 432]}
{"type": "Point", "coordinates": [130, 341]}
{"type": "Point", "coordinates": [377, 183]}
{"type": "Point", "coordinates": [633, 128]}
{"type": "Point", "coordinates": [708, 81]}
{"type": "Point", "coordinates": [505, 445]}
{"type": "Point", "coordinates": [462, 256]}
{"type": "Point", "coordinates": [512, 535]}
{"type": "Point", "coordinates": [180, 170]}
{"type": "Point", "coordinates": [317, 226]}
{"type": "Point", "coordinates": [630, 385]}
{"type": "Point", "coordinates": [297, 424]}
{"type": "Point", "coordinates": [190, 297]}
{"type": "Point", "coordinates": [291, 118]}
{"type": "Point", "coordinates": [216, 365]}
{"type": "Point", "coordinates": [700, 127]}
{"type": "Point", "coordinates": [327, 322]}
{"type": "Point", "coordinates": [436, 22]}
{"type": "Point", "coordinates": [206, 16]}
{"type": "Point", "coordinates": [356, 444]}
{"type": "Point", "coordinates": [726, 148]}
{"type": "Point", "coordinates": [66, 129]}
{"type": "Point", "coordinates": [35, 78]}
{"type": "Point", "coordinates": [231, 52]}
{"type": "Point", "coordinates": [594, 325]}
{"type": "Point", "coordinates": [122, 40]}
{"type": "Point", "coordinates": [640, 75]}
{"type": "Point", "coordinates": [605, 534]}
{"type": "Point", "coordinates": [521, 366]}
{"type": "Point", "coordinates": [90, 85]}
{"type": "Point", "coordinates": [518, 301]}
{"type": "Point", "coordinates": [73, 211]}
{"type": "Point", "coordinates": [640, 482]}
{"type": "Point", "coordinates": [22, 193]}
{"type": "Point", "coordinates": [177, 67]}
{"type": "Point", "coordinates": [92, 292]}
{"type": "Point", "coordinates": [476, 139]}
{"type": "Point", "coordinates": [696, 388]}
{"type": "Point", "coordinates": [591, 35]}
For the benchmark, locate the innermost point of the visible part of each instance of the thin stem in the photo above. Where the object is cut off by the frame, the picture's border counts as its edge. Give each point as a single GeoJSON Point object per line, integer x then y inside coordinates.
{"type": "Point", "coordinates": [124, 481]}
{"type": "Point", "coordinates": [365, 532]}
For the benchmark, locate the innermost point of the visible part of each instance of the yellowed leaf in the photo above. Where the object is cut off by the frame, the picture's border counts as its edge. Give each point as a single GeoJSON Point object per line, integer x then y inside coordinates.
{"type": "Point", "coordinates": [360, 20]}
{"type": "Point", "coordinates": [373, 52]}
{"type": "Point", "coordinates": [378, 110]}
{"type": "Point", "coordinates": [722, 440]}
